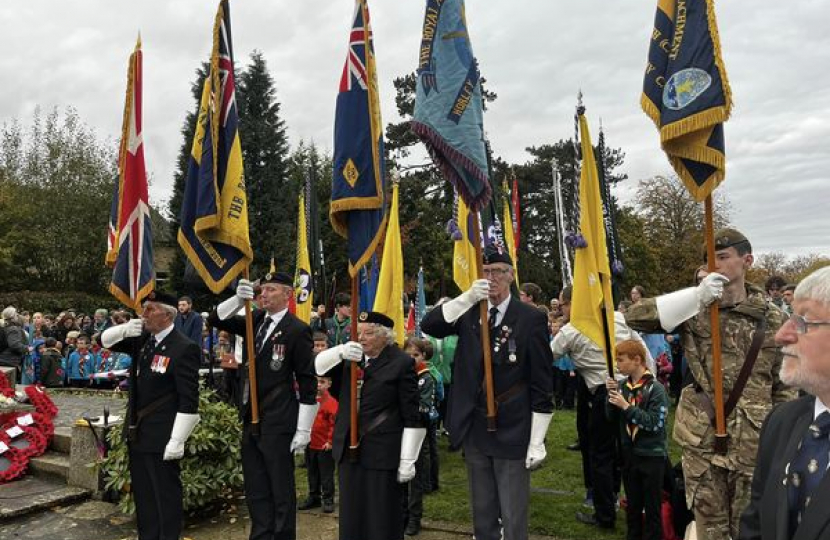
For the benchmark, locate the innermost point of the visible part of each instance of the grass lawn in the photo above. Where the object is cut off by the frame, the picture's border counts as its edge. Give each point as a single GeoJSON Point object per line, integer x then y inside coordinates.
{"type": "Point", "coordinates": [556, 495]}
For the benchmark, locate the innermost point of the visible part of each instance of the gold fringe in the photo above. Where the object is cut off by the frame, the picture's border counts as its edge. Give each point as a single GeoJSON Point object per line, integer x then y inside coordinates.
{"type": "Point", "coordinates": [696, 122]}
{"type": "Point", "coordinates": [650, 109]}
{"type": "Point", "coordinates": [713, 33]}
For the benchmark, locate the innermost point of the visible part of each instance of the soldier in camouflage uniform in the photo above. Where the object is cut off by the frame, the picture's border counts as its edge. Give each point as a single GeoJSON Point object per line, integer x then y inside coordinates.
{"type": "Point", "coordinates": [718, 486]}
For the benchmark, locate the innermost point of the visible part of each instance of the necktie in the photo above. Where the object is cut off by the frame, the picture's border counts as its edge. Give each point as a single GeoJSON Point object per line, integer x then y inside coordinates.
{"type": "Point", "coordinates": [494, 315]}
{"type": "Point", "coordinates": [149, 347]}
{"type": "Point", "coordinates": [805, 471]}
{"type": "Point", "coordinates": [262, 333]}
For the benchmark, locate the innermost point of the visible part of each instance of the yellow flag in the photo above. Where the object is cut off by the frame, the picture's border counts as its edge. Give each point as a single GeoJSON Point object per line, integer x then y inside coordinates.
{"type": "Point", "coordinates": [302, 277]}
{"type": "Point", "coordinates": [592, 273]}
{"type": "Point", "coordinates": [389, 296]}
{"type": "Point", "coordinates": [509, 234]}
{"type": "Point", "coordinates": [464, 251]}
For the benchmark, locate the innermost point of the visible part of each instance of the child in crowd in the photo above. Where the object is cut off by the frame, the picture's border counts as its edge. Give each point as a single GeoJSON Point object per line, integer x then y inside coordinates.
{"type": "Point", "coordinates": [81, 363]}
{"type": "Point", "coordinates": [641, 404]}
{"type": "Point", "coordinates": [319, 458]}
{"type": "Point", "coordinates": [51, 365]}
{"type": "Point", "coordinates": [421, 351]}
{"type": "Point", "coordinates": [564, 374]}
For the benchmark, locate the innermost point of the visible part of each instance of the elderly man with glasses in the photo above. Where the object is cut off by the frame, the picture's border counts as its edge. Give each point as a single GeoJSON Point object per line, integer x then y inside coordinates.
{"type": "Point", "coordinates": [791, 486]}
{"type": "Point", "coordinates": [718, 485]}
{"type": "Point", "coordinates": [498, 463]}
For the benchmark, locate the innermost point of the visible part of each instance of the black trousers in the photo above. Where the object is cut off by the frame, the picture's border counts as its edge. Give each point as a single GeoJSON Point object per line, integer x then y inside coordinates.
{"type": "Point", "coordinates": [432, 442]}
{"type": "Point", "coordinates": [157, 489]}
{"type": "Point", "coordinates": [268, 467]}
{"type": "Point", "coordinates": [602, 457]}
{"type": "Point", "coordinates": [320, 474]}
{"type": "Point", "coordinates": [414, 490]}
{"type": "Point", "coordinates": [643, 479]}
{"type": "Point", "coordinates": [583, 416]}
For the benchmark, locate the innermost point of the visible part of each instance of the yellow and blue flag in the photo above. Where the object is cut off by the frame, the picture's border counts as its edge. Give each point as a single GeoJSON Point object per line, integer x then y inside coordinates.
{"type": "Point", "coordinates": [131, 236]}
{"type": "Point", "coordinates": [214, 215]}
{"type": "Point", "coordinates": [303, 288]}
{"type": "Point", "coordinates": [449, 112]}
{"type": "Point", "coordinates": [358, 202]}
{"type": "Point", "coordinates": [389, 296]}
{"type": "Point", "coordinates": [464, 251]}
{"type": "Point", "coordinates": [592, 273]}
{"type": "Point", "coordinates": [686, 92]}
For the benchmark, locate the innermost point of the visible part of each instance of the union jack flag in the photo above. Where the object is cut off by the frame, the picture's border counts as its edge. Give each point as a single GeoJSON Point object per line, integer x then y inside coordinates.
{"type": "Point", "coordinates": [133, 275]}
{"type": "Point", "coordinates": [354, 70]}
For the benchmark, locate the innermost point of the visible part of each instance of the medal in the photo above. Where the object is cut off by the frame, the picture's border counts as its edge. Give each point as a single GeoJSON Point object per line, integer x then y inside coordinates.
{"type": "Point", "coordinates": [277, 357]}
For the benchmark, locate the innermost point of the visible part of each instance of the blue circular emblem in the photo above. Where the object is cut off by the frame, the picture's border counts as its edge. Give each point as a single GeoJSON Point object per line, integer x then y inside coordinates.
{"type": "Point", "coordinates": [684, 87]}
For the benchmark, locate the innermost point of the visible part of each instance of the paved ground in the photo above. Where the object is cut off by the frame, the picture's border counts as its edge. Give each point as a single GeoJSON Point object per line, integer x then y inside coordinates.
{"type": "Point", "coordinates": [102, 521]}
{"type": "Point", "coordinates": [74, 404]}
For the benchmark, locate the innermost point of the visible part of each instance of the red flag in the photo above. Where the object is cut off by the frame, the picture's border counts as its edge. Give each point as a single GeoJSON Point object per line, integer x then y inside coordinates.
{"type": "Point", "coordinates": [410, 319]}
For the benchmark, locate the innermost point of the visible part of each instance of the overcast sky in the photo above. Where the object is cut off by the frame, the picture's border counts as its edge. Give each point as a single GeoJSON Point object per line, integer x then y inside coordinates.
{"type": "Point", "coordinates": [536, 54]}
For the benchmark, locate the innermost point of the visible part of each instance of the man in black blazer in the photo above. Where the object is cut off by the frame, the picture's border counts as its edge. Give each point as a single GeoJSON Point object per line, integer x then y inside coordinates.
{"type": "Point", "coordinates": [390, 432]}
{"type": "Point", "coordinates": [162, 412]}
{"type": "Point", "coordinates": [790, 486]}
{"type": "Point", "coordinates": [498, 463]}
{"type": "Point", "coordinates": [283, 353]}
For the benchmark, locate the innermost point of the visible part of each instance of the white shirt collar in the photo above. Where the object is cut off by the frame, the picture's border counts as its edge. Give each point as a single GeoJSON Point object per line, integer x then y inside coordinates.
{"type": "Point", "coordinates": [277, 317]}
{"type": "Point", "coordinates": [819, 408]}
{"type": "Point", "coordinates": [502, 307]}
{"type": "Point", "coordinates": [163, 334]}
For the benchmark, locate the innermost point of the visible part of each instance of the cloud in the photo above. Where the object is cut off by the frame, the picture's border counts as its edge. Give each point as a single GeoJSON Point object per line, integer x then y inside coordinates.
{"type": "Point", "coordinates": [536, 56]}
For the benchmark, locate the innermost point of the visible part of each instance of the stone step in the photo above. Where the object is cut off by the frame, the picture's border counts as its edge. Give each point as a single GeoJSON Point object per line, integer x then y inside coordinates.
{"type": "Point", "coordinates": [50, 464]}
{"type": "Point", "coordinates": [34, 493]}
{"type": "Point", "coordinates": [62, 440]}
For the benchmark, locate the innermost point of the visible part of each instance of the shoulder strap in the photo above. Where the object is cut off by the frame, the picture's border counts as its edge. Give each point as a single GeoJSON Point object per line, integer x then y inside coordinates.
{"type": "Point", "coordinates": [746, 369]}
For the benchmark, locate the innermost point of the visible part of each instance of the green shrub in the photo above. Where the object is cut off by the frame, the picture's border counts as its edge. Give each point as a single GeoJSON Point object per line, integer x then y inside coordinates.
{"type": "Point", "coordinates": [55, 302]}
{"type": "Point", "coordinates": [212, 463]}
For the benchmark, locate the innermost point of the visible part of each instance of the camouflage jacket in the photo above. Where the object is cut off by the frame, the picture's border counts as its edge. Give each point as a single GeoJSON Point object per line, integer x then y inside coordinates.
{"type": "Point", "coordinates": [764, 389]}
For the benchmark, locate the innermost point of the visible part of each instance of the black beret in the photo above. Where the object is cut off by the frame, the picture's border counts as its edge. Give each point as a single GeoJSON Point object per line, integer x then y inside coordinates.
{"type": "Point", "coordinates": [496, 254]}
{"type": "Point", "coordinates": [376, 318]}
{"type": "Point", "coordinates": [161, 297]}
{"type": "Point", "coordinates": [280, 278]}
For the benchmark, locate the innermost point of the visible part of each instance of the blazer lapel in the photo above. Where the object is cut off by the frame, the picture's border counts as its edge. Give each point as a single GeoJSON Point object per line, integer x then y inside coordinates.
{"type": "Point", "coordinates": [815, 517]}
{"type": "Point", "coordinates": [782, 518]}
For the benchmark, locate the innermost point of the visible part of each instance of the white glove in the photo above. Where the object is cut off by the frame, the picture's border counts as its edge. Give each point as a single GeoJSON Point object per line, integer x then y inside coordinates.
{"type": "Point", "coordinates": [536, 452]}
{"type": "Point", "coordinates": [410, 448]}
{"type": "Point", "coordinates": [325, 360]}
{"type": "Point", "coordinates": [182, 428]}
{"type": "Point", "coordinates": [114, 334]}
{"type": "Point", "coordinates": [305, 420]}
{"type": "Point", "coordinates": [459, 305]}
{"type": "Point", "coordinates": [228, 308]}
{"type": "Point", "coordinates": [679, 306]}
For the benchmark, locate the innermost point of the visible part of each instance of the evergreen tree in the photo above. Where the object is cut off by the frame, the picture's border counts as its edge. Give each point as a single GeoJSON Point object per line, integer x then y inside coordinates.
{"type": "Point", "coordinates": [272, 196]}
{"type": "Point", "coordinates": [178, 283]}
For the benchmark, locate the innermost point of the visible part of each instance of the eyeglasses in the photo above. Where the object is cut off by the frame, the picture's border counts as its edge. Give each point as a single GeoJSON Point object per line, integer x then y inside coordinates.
{"type": "Point", "coordinates": [494, 272]}
{"type": "Point", "coordinates": [802, 324]}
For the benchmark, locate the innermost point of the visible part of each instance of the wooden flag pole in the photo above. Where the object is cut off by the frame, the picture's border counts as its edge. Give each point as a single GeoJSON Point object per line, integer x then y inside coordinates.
{"type": "Point", "coordinates": [485, 334]}
{"type": "Point", "coordinates": [721, 438]}
{"type": "Point", "coordinates": [353, 438]}
{"type": "Point", "coordinates": [249, 344]}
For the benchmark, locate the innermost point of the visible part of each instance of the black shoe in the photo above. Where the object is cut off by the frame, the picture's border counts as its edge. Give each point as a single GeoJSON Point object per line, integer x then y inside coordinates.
{"type": "Point", "coordinates": [591, 519]}
{"type": "Point", "coordinates": [575, 446]}
{"type": "Point", "coordinates": [412, 528]}
{"type": "Point", "coordinates": [328, 507]}
{"type": "Point", "coordinates": [309, 503]}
